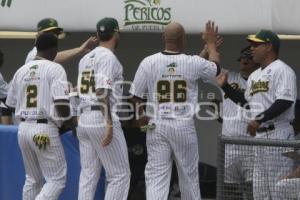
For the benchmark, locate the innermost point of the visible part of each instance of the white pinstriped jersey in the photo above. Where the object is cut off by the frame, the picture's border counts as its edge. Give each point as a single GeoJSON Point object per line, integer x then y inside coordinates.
{"type": "Point", "coordinates": [234, 116]}
{"type": "Point", "coordinates": [171, 83]}
{"type": "Point", "coordinates": [31, 55]}
{"type": "Point", "coordinates": [35, 87]}
{"type": "Point", "coordinates": [74, 103]}
{"type": "Point", "coordinates": [265, 86]}
{"type": "Point", "coordinates": [3, 87]}
{"type": "Point", "coordinates": [100, 69]}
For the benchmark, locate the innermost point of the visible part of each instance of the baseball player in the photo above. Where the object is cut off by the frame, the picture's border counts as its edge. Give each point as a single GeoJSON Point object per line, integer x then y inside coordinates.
{"type": "Point", "coordinates": [39, 94]}
{"type": "Point", "coordinates": [170, 79]}
{"type": "Point", "coordinates": [6, 115]}
{"type": "Point", "coordinates": [100, 135]}
{"type": "Point", "coordinates": [238, 159]}
{"type": "Point", "coordinates": [51, 25]}
{"type": "Point", "coordinates": [270, 95]}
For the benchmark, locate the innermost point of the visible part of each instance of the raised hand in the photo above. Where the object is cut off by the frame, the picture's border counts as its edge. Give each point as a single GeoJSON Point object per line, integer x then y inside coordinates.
{"type": "Point", "coordinates": [89, 44]}
{"type": "Point", "coordinates": [204, 51]}
{"type": "Point", "coordinates": [210, 35]}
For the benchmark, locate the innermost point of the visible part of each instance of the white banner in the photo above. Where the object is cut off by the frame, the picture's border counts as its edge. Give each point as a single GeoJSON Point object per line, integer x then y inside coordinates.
{"type": "Point", "coordinates": [232, 16]}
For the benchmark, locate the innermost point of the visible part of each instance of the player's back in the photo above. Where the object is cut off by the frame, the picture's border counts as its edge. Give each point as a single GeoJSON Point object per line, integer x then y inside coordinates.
{"type": "Point", "coordinates": [99, 69]}
{"type": "Point", "coordinates": [172, 82]}
{"type": "Point", "coordinates": [34, 85]}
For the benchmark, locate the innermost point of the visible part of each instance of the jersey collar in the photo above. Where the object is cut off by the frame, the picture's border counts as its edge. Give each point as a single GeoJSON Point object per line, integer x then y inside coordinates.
{"type": "Point", "coordinates": [170, 53]}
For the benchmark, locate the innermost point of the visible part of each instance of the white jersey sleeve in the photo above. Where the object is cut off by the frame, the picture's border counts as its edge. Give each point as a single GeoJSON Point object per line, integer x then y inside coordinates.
{"type": "Point", "coordinates": [59, 86]}
{"type": "Point", "coordinates": [139, 85]}
{"type": "Point", "coordinates": [285, 85]}
{"type": "Point", "coordinates": [3, 87]}
{"type": "Point", "coordinates": [31, 55]}
{"type": "Point", "coordinates": [207, 70]}
{"type": "Point", "coordinates": [104, 74]}
{"type": "Point", "coordinates": [74, 103]}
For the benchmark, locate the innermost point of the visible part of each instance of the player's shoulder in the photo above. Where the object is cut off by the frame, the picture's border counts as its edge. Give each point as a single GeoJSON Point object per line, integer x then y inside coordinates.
{"type": "Point", "coordinates": [50, 66]}
{"type": "Point", "coordinates": [150, 60]}
{"type": "Point", "coordinates": [153, 57]}
{"type": "Point", "coordinates": [103, 52]}
{"type": "Point", "coordinates": [280, 66]}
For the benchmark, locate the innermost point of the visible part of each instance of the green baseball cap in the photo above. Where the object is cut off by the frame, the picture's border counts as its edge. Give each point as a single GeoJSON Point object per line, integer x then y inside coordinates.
{"type": "Point", "coordinates": [107, 25]}
{"type": "Point", "coordinates": [48, 24]}
{"type": "Point", "coordinates": [265, 36]}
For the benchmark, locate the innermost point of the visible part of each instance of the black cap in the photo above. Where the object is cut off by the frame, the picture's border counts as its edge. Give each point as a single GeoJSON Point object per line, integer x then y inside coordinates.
{"type": "Point", "coordinates": [245, 54]}
{"type": "Point", "coordinates": [46, 41]}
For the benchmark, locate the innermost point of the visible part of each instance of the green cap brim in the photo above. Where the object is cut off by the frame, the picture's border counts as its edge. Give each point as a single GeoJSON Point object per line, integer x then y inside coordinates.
{"type": "Point", "coordinates": [253, 38]}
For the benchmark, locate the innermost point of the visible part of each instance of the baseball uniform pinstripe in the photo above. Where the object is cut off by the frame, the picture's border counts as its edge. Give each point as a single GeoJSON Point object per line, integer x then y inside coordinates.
{"type": "Point", "coordinates": [238, 159]}
{"type": "Point", "coordinates": [264, 86]}
{"type": "Point", "coordinates": [101, 69]}
{"type": "Point", "coordinates": [74, 103]}
{"type": "Point", "coordinates": [34, 88]}
{"type": "Point", "coordinates": [3, 87]}
{"type": "Point", "coordinates": [171, 81]}
{"type": "Point", "coordinates": [31, 55]}
{"type": "Point", "coordinates": [288, 189]}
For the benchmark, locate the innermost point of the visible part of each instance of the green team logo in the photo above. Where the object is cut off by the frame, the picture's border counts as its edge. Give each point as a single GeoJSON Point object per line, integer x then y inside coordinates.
{"type": "Point", "coordinates": [34, 67]}
{"type": "Point", "coordinates": [149, 13]}
{"type": "Point", "coordinates": [6, 3]}
{"type": "Point", "coordinates": [172, 68]}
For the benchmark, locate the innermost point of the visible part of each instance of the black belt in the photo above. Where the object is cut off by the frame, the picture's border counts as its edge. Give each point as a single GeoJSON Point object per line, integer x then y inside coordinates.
{"type": "Point", "coordinates": [271, 127]}
{"type": "Point", "coordinates": [90, 108]}
{"type": "Point", "coordinates": [39, 121]}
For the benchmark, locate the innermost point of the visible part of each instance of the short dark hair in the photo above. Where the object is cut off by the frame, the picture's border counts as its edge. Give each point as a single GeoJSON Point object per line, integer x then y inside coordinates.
{"type": "Point", "coordinates": [104, 36]}
{"type": "Point", "coordinates": [245, 53]}
{"type": "Point", "coordinates": [46, 41]}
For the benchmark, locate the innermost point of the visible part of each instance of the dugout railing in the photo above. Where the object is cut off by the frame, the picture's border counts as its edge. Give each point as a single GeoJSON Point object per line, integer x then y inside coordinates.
{"type": "Point", "coordinates": [274, 167]}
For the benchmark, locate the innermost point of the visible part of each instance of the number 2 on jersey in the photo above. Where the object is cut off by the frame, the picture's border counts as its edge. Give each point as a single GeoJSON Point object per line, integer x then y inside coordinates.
{"type": "Point", "coordinates": [87, 82]}
{"type": "Point", "coordinates": [31, 96]}
{"type": "Point", "coordinates": [171, 91]}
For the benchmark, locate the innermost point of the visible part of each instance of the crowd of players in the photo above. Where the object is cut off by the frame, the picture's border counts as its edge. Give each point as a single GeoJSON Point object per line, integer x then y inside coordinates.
{"type": "Point", "coordinates": [258, 101]}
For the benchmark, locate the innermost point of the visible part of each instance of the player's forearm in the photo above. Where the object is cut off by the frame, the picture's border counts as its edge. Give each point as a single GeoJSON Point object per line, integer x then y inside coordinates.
{"type": "Point", "coordinates": [204, 52]}
{"type": "Point", "coordinates": [235, 95]}
{"type": "Point", "coordinates": [277, 108]}
{"type": "Point", "coordinates": [294, 174]}
{"type": "Point", "coordinates": [66, 55]}
{"type": "Point", "coordinates": [213, 54]}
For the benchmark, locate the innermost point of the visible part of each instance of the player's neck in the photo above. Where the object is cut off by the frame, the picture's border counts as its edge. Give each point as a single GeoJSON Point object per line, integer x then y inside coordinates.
{"type": "Point", "coordinates": [172, 52]}
{"type": "Point", "coordinates": [41, 56]}
{"type": "Point", "coordinates": [268, 61]}
{"type": "Point", "coordinates": [172, 48]}
{"type": "Point", "coordinates": [108, 45]}
{"type": "Point", "coordinates": [244, 75]}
